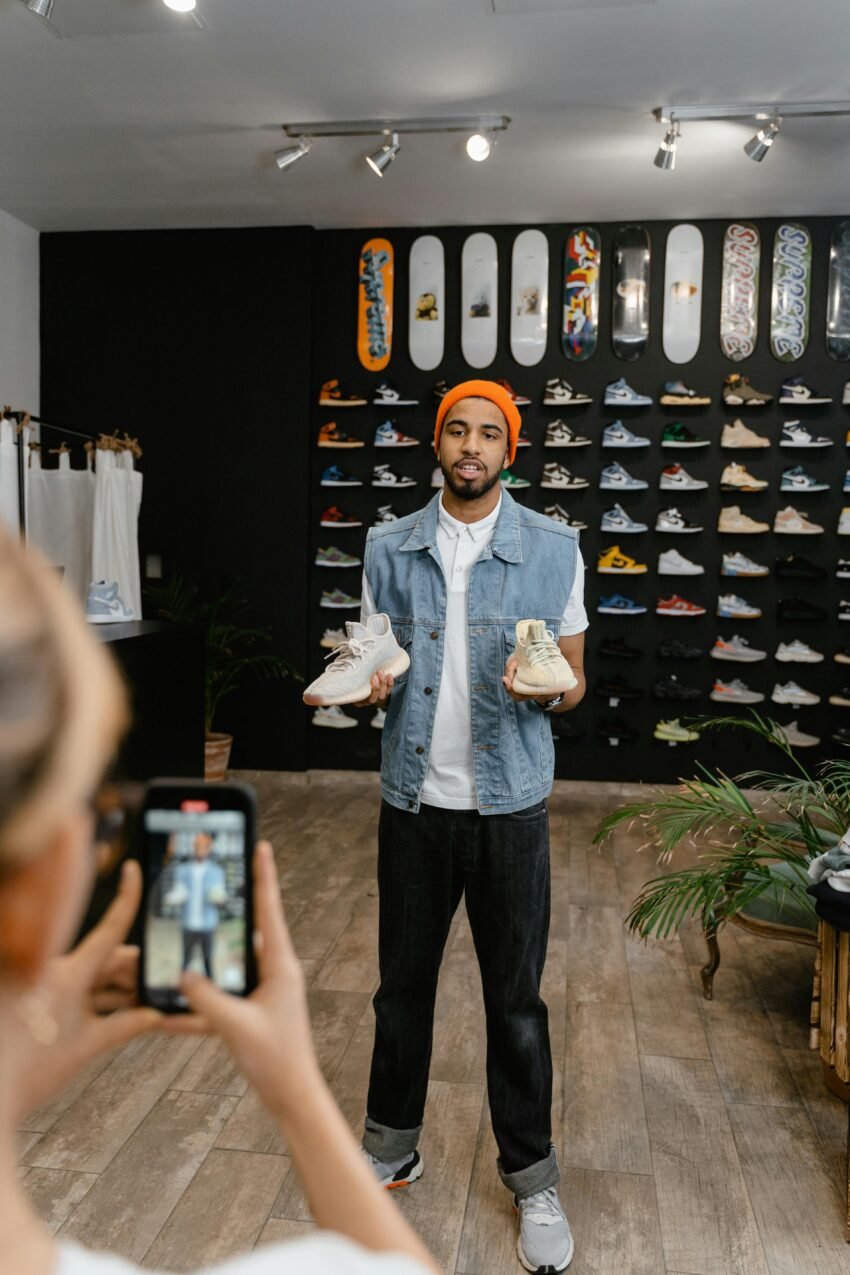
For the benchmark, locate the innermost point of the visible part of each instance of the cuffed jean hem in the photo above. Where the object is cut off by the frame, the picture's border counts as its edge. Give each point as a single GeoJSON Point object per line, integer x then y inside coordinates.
{"type": "Point", "coordinates": [388, 1145]}
{"type": "Point", "coordinates": [537, 1177]}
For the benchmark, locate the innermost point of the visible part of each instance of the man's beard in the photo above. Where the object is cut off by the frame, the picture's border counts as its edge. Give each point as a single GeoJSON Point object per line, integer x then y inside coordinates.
{"type": "Point", "coordinates": [465, 489]}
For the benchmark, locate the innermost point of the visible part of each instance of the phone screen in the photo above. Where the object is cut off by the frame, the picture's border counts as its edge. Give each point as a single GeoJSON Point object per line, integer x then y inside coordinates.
{"type": "Point", "coordinates": [196, 915]}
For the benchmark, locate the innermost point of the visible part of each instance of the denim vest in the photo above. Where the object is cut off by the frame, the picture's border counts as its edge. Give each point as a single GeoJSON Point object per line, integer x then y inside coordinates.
{"type": "Point", "coordinates": [525, 572]}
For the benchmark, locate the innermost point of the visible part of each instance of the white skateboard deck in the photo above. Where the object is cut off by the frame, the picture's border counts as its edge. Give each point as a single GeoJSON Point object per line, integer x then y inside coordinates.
{"type": "Point", "coordinates": [529, 297]}
{"type": "Point", "coordinates": [427, 290]}
{"type": "Point", "coordinates": [682, 293]}
{"type": "Point", "coordinates": [479, 300]}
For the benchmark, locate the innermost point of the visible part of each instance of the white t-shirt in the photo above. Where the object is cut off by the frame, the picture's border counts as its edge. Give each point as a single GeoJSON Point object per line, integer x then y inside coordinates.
{"type": "Point", "coordinates": [450, 776]}
{"type": "Point", "coordinates": [321, 1254]}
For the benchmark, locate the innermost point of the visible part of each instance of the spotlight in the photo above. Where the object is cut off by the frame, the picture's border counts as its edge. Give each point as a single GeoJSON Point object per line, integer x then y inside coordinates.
{"type": "Point", "coordinates": [478, 146]}
{"type": "Point", "coordinates": [180, 6]}
{"type": "Point", "coordinates": [665, 156]}
{"type": "Point", "coordinates": [382, 158]}
{"type": "Point", "coordinates": [41, 8]}
{"type": "Point", "coordinates": [291, 154]}
{"type": "Point", "coordinates": [757, 147]}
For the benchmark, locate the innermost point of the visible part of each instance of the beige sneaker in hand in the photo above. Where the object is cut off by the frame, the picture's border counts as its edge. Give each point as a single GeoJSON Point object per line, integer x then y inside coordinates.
{"type": "Point", "coordinates": [541, 668]}
{"type": "Point", "coordinates": [732, 520]}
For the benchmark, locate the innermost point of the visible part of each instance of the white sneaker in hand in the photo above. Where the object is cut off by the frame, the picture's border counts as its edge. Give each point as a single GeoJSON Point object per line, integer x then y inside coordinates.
{"type": "Point", "coordinates": [368, 649]}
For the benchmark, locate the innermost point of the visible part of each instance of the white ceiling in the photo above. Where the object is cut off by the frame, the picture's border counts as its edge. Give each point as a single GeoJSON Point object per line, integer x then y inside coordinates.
{"type": "Point", "coordinates": [175, 126]}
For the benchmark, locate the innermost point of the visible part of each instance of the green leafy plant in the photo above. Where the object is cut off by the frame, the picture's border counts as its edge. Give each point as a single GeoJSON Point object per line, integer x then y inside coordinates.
{"type": "Point", "coordinates": [235, 653]}
{"type": "Point", "coordinates": [738, 840]}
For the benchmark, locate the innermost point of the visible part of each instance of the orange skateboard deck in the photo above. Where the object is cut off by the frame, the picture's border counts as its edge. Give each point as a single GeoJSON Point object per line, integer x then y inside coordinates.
{"type": "Point", "coordinates": [375, 305]}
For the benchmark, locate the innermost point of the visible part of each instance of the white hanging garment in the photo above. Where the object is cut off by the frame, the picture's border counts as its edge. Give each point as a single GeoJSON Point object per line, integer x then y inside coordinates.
{"type": "Point", "coordinates": [115, 539]}
{"type": "Point", "coordinates": [60, 512]}
{"type": "Point", "coordinates": [9, 507]}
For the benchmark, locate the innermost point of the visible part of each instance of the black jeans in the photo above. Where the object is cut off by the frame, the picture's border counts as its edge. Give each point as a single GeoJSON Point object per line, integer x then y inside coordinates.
{"type": "Point", "coordinates": [426, 861]}
{"type": "Point", "coordinates": [203, 938]}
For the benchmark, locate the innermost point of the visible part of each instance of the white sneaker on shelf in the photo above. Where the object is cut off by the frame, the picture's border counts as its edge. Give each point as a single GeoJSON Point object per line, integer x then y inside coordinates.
{"type": "Point", "coordinates": [791, 693]}
{"type": "Point", "coordinates": [673, 563]}
{"type": "Point", "coordinates": [333, 716]}
{"type": "Point", "coordinates": [105, 605]}
{"type": "Point", "coordinates": [796, 738]}
{"type": "Point", "coordinates": [797, 652]}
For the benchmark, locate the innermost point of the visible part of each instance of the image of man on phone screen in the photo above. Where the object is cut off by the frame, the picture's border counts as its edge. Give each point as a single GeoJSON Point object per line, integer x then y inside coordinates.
{"type": "Point", "coordinates": [199, 890]}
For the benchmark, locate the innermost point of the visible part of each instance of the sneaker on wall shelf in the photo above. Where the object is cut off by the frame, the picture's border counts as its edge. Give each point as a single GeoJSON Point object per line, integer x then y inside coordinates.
{"type": "Point", "coordinates": [333, 717]}
{"type": "Point", "coordinates": [796, 393]}
{"type": "Point", "coordinates": [737, 392]}
{"type": "Point", "coordinates": [331, 395]}
{"type": "Point", "coordinates": [739, 435]}
{"type": "Point", "coordinates": [518, 400]}
{"type": "Point", "coordinates": [334, 517]}
{"type": "Point", "coordinates": [104, 604]}
{"type": "Point", "coordinates": [559, 393]}
{"type": "Point", "coordinates": [560, 434]}
{"type": "Point", "coordinates": [386, 395]}
{"type": "Point", "coordinates": [331, 436]}
{"type": "Point", "coordinates": [678, 394]}
{"type": "Point", "coordinates": [677, 435]}
{"type": "Point", "coordinates": [620, 394]}
{"type": "Point", "coordinates": [387, 435]}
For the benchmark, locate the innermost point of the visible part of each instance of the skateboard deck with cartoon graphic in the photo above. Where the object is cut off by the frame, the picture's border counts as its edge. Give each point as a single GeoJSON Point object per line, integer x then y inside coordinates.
{"type": "Point", "coordinates": [479, 322]}
{"type": "Point", "coordinates": [630, 310]}
{"type": "Point", "coordinates": [838, 294]}
{"type": "Point", "coordinates": [580, 323]}
{"type": "Point", "coordinates": [739, 291]}
{"type": "Point", "coordinates": [375, 305]}
{"type": "Point", "coordinates": [791, 293]}
{"type": "Point", "coordinates": [427, 292]}
{"type": "Point", "coordinates": [529, 297]}
{"type": "Point", "coordinates": [681, 325]}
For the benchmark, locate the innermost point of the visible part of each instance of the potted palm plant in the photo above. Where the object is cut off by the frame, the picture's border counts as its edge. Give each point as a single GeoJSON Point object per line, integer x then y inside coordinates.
{"type": "Point", "coordinates": [753, 838]}
{"type": "Point", "coordinates": [236, 653]}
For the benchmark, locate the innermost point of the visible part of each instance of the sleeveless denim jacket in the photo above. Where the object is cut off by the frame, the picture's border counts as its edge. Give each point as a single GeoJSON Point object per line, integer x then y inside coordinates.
{"type": "Point", "coordinates": [526, 572]}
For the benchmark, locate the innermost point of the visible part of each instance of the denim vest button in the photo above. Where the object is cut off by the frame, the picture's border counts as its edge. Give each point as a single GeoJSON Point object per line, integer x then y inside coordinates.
{"type": "Point", "coordinates": [429, 690]}
{"type": "Point", "coordinates": [411, 804]}
{"type": "Point", "coordinates": [434, 637]}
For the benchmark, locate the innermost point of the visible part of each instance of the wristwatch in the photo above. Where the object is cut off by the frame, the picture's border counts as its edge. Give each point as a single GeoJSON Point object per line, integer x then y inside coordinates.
{"type": "Point", "coordinates": [553, 703]}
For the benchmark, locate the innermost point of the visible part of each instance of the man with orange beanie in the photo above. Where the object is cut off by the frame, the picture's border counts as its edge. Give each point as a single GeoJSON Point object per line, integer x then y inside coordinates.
{"type": "Point", "coordinates": [467, 764]}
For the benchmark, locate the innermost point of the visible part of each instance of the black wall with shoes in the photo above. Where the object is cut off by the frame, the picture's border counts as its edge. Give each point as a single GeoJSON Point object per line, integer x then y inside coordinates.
{"type": "Point", "coordinates": [212, 345]}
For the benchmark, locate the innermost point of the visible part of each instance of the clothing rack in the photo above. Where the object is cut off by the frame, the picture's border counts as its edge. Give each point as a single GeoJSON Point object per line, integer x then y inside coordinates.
{"type": "Point", "coordinates": [22, 486]}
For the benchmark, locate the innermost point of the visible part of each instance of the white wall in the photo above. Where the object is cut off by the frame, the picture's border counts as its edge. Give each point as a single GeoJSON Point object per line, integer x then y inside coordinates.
{"type": "Point", "coordinates": [19, 333]}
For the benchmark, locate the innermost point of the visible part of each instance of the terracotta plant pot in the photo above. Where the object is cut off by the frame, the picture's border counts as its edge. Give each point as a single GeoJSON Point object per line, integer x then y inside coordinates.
{"type": "Point", "coordinates": [216, 755]}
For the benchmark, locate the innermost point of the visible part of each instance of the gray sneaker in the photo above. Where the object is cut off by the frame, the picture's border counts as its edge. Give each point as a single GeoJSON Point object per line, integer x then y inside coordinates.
{"type": "Point", "coordinates": [396, 1174]}
{"type": "Point", "coordinates": [105, 605]}
{"type": "Point", "coordinates": [545, 1241]}
{"type": "Point", "coordinates": [368, 648]}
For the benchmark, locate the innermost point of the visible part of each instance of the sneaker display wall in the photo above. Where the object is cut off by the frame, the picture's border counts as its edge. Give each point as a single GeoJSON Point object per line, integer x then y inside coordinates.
{"type": "Point", "coordinates": [695, 479]}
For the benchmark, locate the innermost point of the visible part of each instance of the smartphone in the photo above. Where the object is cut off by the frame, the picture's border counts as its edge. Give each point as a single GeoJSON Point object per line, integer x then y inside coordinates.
{"type": "Point", "coordinates": [196, 842]}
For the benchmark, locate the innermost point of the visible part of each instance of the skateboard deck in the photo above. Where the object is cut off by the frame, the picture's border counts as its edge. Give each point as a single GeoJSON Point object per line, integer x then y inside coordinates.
{"type": "Point", "coordinates": [529, 297]}
{"type": "Point", "coordinates": [580, 324]}
{"type": "Point", "coordinates": [427, 291]}
{"type": "Point", "coordinates": [838, 294]}
{"type": "Point", "coordinates": [630, 312]}
{"type": "Point", "coordinates": [790, 298]}
{"type": "Point", "coordinates": [682, 293]}
{"type": "Point", "coordinates": [739, 291]}
{"type": "Point", "coordinates": [479, 323]}
{"type": "Point", "coordinates": [375, 305]}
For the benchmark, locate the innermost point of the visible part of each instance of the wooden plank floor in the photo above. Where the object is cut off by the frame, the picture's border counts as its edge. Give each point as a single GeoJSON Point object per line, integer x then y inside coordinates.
{"type": "Point", "coordinates": [695, 1138]}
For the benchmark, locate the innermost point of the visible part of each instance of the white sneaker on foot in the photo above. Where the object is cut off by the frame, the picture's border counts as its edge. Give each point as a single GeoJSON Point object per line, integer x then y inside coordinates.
{"type": "Point", "coordinates": [545, 1241]}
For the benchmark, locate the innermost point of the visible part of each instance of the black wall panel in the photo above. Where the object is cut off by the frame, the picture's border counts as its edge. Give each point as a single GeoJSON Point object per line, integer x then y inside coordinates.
{"type": "Point", "coordinates": [198, 342]}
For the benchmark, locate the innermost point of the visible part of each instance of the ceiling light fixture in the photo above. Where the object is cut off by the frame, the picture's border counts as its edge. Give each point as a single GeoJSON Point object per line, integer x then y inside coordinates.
{"type": "Point", "coordinates": [41, 8]}
{"type": "Point", "coordinates": [759, 146]}
{"type": "Point", "coordinates": [381, 159]}
{"type": "Point", "coordinates": [291, 154]}
{"type": "Point", "coordinates": [750, 111]}
{"type": "Point", "coordinates": [481, 133]}
{"type": "Point", "coordinates": [180, 6]}
{"type": "Point", "coordinates": [479, 145]}
{"type": "Point", "coordinates": [665, 156]}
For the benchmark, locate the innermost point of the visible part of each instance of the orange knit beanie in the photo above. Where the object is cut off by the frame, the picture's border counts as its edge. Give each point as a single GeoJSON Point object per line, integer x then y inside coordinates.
{"type": "Point", "coordinates": [482, 389]}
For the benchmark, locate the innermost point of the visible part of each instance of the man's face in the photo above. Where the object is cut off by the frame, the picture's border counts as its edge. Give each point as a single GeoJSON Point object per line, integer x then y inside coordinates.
{"type": "Point", "coordinates": [473, 446]}
{"type": "Point", "coordinates": [203, 845]}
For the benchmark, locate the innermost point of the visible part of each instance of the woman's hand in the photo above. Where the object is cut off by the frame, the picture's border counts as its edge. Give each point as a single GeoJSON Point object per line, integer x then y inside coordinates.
{"type": "Point", "coordinates": [98, 977]}
{"type": "Point", "coordinates": [268, 1032]}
